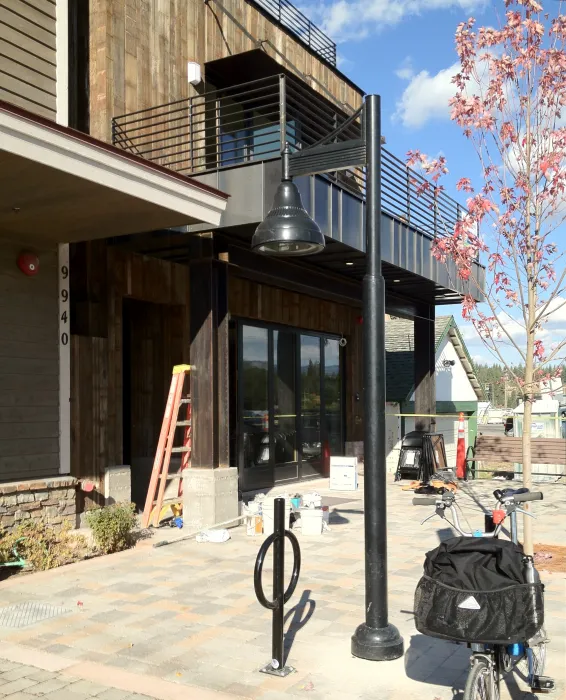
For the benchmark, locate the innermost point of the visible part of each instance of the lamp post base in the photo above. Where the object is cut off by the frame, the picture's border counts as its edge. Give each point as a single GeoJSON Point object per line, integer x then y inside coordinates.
{"type": "Point", "coordinates": [377, 644]}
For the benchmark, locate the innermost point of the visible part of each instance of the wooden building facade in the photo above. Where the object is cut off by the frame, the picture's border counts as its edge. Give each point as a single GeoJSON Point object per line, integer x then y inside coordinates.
{"type": "Point", "coordinates": [158, 268]}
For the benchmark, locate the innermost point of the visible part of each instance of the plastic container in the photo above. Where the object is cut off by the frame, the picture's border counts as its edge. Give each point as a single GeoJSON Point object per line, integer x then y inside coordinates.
{"type": "Point", "coordinates": [296, 502]}
{"type": "Point", "coordinates": [311, 521]}
{"type": "Point", "coordinates": [268, 507]}
{"type": "Point", "coordinates": [312, 500]}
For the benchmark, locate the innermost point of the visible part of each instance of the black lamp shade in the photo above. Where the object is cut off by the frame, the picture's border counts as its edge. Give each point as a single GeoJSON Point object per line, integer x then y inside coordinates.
{"type": "Point", "coordinates": [288, 229]}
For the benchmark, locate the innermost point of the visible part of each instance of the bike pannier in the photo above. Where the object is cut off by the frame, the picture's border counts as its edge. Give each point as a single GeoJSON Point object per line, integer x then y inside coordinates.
{"type": "Point", "coordinates": [474, 590]}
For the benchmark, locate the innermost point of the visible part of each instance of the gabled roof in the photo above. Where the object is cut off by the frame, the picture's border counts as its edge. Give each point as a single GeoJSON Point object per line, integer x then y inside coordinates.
{"type": "Point", "coordinates": [399, 350]}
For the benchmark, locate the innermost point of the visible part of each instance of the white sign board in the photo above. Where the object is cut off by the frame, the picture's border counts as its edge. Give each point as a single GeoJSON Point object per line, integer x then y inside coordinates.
{"type": "Point", "coordinates": [344, 473]}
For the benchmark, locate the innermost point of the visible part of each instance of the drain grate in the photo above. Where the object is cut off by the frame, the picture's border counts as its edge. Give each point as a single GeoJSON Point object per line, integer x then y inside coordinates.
{"type": "Point", "coordinates": [25, 614]}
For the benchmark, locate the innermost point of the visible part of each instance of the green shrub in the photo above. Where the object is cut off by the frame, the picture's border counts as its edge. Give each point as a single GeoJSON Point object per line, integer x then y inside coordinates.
{"type": "Point", "coordinates": [112, 526]}
{"type": "Point", "coordinates": [43, 547]}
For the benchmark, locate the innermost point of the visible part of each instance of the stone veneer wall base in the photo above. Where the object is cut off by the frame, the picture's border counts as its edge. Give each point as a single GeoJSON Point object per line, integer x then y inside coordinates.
{"type": "Point", "coordinates": [52, 500]}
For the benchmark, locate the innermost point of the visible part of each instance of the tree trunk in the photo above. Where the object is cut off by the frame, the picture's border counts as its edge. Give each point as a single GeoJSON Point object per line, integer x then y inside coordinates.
{"type": "Point", "coordinates": [527, 473]}
{"type": "Point", "coordinates": [528, 418]}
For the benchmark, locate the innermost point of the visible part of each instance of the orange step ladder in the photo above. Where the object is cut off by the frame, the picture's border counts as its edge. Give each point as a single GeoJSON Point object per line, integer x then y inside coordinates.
{"type": "Point", "coordinates": [165, 447]}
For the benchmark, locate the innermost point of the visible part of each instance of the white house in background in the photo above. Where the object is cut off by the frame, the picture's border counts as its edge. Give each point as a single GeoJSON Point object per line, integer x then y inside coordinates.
{"type": "Point", "coordinates": [457, 387]}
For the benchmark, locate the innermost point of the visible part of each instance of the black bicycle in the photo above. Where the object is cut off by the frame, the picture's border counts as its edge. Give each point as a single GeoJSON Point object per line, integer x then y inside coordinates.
{"type": "Point", "coordinates": [484, 591]}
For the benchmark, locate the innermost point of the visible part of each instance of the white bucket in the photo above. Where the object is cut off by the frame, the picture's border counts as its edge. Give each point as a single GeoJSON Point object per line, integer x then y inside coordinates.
{"type": "Point", "coordinates": [268, 507]}
{"type": "Point", "coordinates": [311, 521]}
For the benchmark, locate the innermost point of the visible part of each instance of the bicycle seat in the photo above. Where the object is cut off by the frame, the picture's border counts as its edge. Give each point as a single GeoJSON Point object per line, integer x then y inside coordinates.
{"type": "Point", "coordinates": [507, 493]}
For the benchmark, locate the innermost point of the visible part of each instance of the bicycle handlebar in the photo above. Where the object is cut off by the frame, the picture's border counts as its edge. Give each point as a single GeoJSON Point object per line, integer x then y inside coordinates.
{"type": "Point", "coordinates": [424, 500]}
{"type": "Point", "coordinates": [523, 497]}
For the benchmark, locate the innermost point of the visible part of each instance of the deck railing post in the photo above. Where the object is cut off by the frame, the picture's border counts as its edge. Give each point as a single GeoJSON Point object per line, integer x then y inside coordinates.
{"type": "Point", "coordinates": [218, 145]}
{"type": "Point", "coordinates": [408, 195]}
{"type": "Point", "coordinates": [435, 211]}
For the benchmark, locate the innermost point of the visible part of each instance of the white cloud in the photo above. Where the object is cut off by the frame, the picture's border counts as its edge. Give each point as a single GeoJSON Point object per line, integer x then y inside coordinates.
{"type": "Point", "coordinates": [343, 63]}
{"type": "Point", "coordinates": [426, 97]}
{"type": "Point", "coordinates": [405, 70]}
{"type": "Point", "coordinates": [347, 20]}
{"type": "Point", "coordinates": [556, 312]}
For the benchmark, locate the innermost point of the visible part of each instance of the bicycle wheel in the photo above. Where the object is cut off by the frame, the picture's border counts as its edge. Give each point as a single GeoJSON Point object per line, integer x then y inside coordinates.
{"type": "Point", "coordinates": [481, 683]}
{"type": "Point", "coordinates": [537, 645]}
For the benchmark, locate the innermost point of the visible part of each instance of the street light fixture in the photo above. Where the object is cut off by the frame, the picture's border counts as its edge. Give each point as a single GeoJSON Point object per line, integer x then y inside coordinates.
{"type": "Point", "coordinates": [289, 230]}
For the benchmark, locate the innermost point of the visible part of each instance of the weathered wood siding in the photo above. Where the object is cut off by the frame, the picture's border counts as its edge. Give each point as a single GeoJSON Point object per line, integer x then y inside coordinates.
{"type": "Point", "coordinates": [97, 381]}
{"type": "Point", "coordinates": [28, 55]}
{"type": "Point", "coordinates": [251, 300]}
{"type": "Point", "coordinates": [29, 367]}
{"type": "Point", "coordinates": [140, 48]}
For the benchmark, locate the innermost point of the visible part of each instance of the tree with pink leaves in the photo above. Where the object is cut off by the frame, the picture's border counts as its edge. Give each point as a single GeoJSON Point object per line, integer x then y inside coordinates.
{"type": "Point", "coordinates": [510, 102]}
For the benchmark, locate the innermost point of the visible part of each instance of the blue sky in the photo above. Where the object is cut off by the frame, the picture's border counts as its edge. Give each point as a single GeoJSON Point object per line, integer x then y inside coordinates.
{"type": "Point", "coordinates": [404, 51]}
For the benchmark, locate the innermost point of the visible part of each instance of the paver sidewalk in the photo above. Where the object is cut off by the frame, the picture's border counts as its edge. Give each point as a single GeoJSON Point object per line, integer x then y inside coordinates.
{"type": "Point", "coordinates": [183, 622]}
{"type": "Point", "coordinates": [22, 682]}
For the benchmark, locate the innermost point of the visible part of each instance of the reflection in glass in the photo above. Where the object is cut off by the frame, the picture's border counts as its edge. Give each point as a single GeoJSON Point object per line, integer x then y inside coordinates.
{"type": "Point", "coordinates": [335, 213]}
{"type": "Point", "coordinates": [255, 397]}
{"type": "Point", "coordinates": [351, 221]}
{"type": "Point", "coordinates": [310, 402]}
{"type": "Point", "coordinates": [321, 194]}
{"type": "Point", "coordinates": [285, 429]}
{"type": "Point", "coordinates": [333, 395]}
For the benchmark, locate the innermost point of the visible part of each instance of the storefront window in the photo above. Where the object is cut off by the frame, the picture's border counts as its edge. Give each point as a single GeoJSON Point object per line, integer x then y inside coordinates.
{"type": "Point", "coordinates": [311, 447]}
{"type": "Point", "coordinates": [333, 395]}
{"type": "Point", "coordinates": [285, 415]}
{"type": "Point", "coordinates": [255, 392]}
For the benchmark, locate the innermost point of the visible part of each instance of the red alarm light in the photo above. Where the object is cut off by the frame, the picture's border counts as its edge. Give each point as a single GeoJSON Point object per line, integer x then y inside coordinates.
{"type": "Point", "coordinates": [28, 264]}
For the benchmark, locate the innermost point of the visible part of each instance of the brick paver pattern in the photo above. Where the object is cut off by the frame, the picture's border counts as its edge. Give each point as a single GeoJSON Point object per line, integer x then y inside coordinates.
{"type": "Point", "coordinates": [187, 614]}
{"type": "Point", "coordinates": [21, 682]}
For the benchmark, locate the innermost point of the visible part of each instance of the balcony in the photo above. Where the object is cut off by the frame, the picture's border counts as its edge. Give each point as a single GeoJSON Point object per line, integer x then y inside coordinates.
{"type": "Point", "coordinates": [232, 138]}
{"type": "Point", "coordinates": [288, 16]}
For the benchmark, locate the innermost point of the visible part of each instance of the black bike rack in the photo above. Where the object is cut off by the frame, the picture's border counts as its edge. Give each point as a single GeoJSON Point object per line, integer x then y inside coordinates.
{"type": "Point", "coordinates": [281, 596]}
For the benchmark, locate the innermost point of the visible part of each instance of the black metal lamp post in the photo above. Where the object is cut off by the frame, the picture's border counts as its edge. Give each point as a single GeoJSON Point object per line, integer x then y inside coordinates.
{"type": "Point", "coordinates": [289, 230]}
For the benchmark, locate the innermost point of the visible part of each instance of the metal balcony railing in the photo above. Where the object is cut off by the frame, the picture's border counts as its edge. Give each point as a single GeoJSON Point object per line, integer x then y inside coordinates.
{"type": "Point", "coordinates": [295, 21]}
{"type": "Point", "coordinates": [252, 122]}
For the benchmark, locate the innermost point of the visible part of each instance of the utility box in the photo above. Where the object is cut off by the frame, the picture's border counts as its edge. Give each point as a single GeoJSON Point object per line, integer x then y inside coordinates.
{"type": "Point", "coordinates": [118, 484]}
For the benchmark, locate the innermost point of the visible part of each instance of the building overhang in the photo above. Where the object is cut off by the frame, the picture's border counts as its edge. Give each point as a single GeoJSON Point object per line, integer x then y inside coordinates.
{"type": "Point", "coordinates": [58, 185]}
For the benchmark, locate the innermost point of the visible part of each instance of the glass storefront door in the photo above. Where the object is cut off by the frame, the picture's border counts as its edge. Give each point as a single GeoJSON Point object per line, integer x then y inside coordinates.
{"type": "Point", "coordinates": [254, 404]}
{"type": "Point", "coordinates": [311, 439]}
{"type": "Point", "coordinates": [290, 404]}
{"type": "Point", "coordinates": [286, 455]}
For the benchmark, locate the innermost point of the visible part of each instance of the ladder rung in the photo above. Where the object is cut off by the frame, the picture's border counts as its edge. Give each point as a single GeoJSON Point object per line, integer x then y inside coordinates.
{"type": "Point", "coordinates": [183, 422]}
{"type": "Point", "coordinates": [173, 477]}
{"type": "Point", "coordinates": [185, 401]}
{"type": "Point", "coordinates": [181, 449]}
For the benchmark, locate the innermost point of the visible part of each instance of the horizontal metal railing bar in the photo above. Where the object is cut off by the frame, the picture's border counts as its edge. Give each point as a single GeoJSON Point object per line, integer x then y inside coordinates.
{"type": "Point", "coordinates": [244, 86]}
{"type": "Point", "coordinates": [212, 152]}
{"type": "Point", "coordinates": [200, 108]}
{"type": "Point", "coordinates": [216, 155]}
{"type": "Point", "coordinates": [225, 128]}
{"type": "Point", "coordinates": [322, 128]}
{"type": "Point", "coordinates": [416, 212]}
{"type": "Point", "coordinates": [303, 89]}
{"type": "Point", "coordinates": [387, 155]}
{"type": "Point", "coordinates": [295, 20]}
{"type": "Point", "coordinates": [325, 131]}
{"type": "Point", "coordinates": [322, 107]}
{"type": "Point", "coordinates": [174, 137]}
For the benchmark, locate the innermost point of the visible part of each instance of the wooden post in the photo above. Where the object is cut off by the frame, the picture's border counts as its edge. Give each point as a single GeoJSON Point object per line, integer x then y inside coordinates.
{"type": "Point", "coordinates": [209, 359]}
{"type": "Point", "coordinates": [425, 385]}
